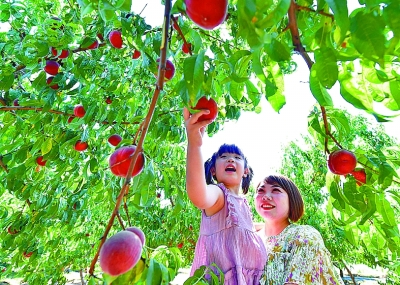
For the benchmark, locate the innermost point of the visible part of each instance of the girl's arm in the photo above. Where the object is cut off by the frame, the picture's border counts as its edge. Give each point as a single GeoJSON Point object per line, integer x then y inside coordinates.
{"type": "Point", "coordinates": [201, 195]}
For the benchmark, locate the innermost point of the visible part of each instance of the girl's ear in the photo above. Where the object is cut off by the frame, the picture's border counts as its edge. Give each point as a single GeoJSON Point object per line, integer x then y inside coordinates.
{"type": "Point", "coordinates": [246, 171]}
{"type": "Point", "coordinates": [212, 170]}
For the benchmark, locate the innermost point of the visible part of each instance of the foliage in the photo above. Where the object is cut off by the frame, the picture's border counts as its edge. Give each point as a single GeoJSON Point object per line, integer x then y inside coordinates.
{"type": "Point", "coordinates": [359, 224]}
{"type": "Point", "coordinates": [61, 210]}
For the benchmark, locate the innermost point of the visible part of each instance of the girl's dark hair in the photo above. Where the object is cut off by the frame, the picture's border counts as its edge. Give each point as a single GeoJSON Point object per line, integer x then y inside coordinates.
{"type": "Point", "coordinates": [228, 148]}
{"type": "Point", "coordinates": [296, 204]}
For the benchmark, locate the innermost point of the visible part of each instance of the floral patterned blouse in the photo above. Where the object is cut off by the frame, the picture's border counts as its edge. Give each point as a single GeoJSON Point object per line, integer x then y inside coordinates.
{"type": "Point", "coordinates": [298, 255]}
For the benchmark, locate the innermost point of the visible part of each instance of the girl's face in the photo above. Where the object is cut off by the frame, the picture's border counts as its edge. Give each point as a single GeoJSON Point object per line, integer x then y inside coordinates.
{"type": "Point", "coordinates": [272, 202]}
{"type": "Point", "coordinates": [229, 169]}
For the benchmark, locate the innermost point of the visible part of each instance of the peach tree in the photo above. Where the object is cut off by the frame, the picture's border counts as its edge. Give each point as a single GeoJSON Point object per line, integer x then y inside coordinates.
{"type": "Point", "coordinates": [105, 57]}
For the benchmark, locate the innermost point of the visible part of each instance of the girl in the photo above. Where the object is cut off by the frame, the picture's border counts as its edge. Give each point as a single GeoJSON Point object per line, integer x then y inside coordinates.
{"type": "Point", "coordinates": [227, 235]}
{"type": "Point", "coordinates": [296, 253]}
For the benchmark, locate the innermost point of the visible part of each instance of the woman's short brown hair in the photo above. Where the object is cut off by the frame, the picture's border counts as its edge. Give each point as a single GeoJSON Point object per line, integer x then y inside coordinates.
{"type": "Point", "coordinates": [296, 204]}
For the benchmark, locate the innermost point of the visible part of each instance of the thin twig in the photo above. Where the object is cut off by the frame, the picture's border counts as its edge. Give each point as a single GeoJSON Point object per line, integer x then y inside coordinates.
{"type": "Point", "coordinates": [302, 8]}
{"type": "Point", "coordinates": [121, 222]}
{"type": "Point", "coordinates": [2, 164]}
{"type": "Point", "coordinates": [181, 34]}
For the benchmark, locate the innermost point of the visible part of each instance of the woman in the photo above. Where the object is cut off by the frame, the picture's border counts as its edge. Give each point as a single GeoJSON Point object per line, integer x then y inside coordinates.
{"type": "Point", "coordinates": [296, 253]}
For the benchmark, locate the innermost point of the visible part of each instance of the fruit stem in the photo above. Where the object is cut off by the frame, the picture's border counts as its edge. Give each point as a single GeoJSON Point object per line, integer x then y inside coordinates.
{"type": "Point", "coordinates": [181, 34]}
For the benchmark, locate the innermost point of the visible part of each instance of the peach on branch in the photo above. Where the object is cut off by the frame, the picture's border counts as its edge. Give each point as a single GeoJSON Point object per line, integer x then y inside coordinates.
{"type": "Point", "coordinates": [80, 145]}
{"type": "Point", "coordinates": [108, 100]}
{"type": "Point", "coordinates": [169, 69]}
{"type": "Point", "coordinates": [40, 161]}
{"type": "Point", "coordinates": [360, 176]}
{"type": "Point", "coordinates": [52, 86]}
{"type": "Point", "coordinates": [52, 67]}
{"type": "Point", "coordinates": [342, 162]}
{"type": "Point", "coordinates": [209, 104]}
{"type": "Point", "coordinates": [207, 14]}
{"type": "Point", "coordinates": [28, 254]}
{"type": "Point", "coordinates": [12, 231]}
{"type": "Point", "coordinates": [139, 233]}
{"type": "Point", "coordinates": [79, 111]}
{"type": "Point", "coordinates": [115, 39]}
{"type": "Point", "coordinates": [114, 139]}
{"type": "Point", "coordinates": [121, 158]}
{"type": "Point", "coordinates": [16, 102]}
{"type": "Point", "coordinates": [120, 253]}
{"type": "Point", "coordinates": [63, 54]}
{"type": "Point", "coordinates": [136, 54]}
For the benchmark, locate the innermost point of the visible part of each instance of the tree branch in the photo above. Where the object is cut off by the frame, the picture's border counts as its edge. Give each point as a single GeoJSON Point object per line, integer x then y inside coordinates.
{"type": "Point", "coordinates": [294, 30]}
{"type": "Point", "coordinates": [146, 123]}
{"type": "Point", "coordinates": [40, 109]}
{"type": "Point", "coordinates": [302, 8]}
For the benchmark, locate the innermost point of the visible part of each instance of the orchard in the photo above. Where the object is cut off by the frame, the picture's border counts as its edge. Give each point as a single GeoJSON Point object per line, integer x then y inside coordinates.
{"type": "Point", "coordinates": [92, 138]}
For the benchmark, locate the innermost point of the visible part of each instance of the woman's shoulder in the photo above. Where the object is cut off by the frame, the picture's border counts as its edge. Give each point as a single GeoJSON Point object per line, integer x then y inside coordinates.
{"type": "Point", "coordinates": [305, 234]}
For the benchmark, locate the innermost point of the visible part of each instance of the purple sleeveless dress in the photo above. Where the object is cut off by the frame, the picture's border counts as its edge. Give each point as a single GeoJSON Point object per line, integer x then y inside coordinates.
{"type": "Point", "coordinates": [229, 240]}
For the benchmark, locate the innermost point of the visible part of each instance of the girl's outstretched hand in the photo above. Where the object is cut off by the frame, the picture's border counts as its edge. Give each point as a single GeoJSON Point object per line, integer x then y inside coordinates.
{"type": "Point", "coordinates": [194, 128]}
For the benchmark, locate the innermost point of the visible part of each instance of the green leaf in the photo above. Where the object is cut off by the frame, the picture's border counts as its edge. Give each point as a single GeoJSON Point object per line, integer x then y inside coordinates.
{"type": "Point", "coordinates": [384, 208]}
{"type": "Point", "coordinates": [341, 15]}
{"type": "Point", "coordinates": [277, 51]}
{"type": "Point", "coordinates": [132, 276]}
{"type": "Point", "coordinates": [355, 95]}
{"type": "Point", "coordinates": [39, 81]}
{"type": "Point", "coordinates": [124, 5]}
{"type": "Point", "coordinates": [6, 82]}
{"type": "Point", "coordinates": [193, 71]}
{"type": "Point", "coordinates": [352, 235]}
{"type": "Point", "coordinates": [106, 11]}
{"type": "Point", "coordinates": [367, 33]}
{"type": "Point", "coordinates": [258, 66]}
{"type": "Point", "coordinates": [393, 100]}
{"type": "Point", "coordinates": [275, 16]}
{"type": "Point", "coordinates": [236, 90]}
{"type": "Point", "coordinates": [371, 208]}
{"type": "Point", "coordinates": [319, 92]}
{"type": "Point", "coordinates": [239, 64]}
{"type": "Point", "coordinates": [391, 14]}
{"type": "Point", "coordinates": [274, 87]}
{"type": "Point", "coordinates": [326, 67]}
{"type": "Point", "coordinates": [253, 93]}
{"type": "Point", "coordinates": [46, 146]}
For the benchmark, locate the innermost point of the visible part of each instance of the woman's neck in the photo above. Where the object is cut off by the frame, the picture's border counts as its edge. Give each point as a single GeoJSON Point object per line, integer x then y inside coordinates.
{"type": "Point", "coordinates": [273, 228]}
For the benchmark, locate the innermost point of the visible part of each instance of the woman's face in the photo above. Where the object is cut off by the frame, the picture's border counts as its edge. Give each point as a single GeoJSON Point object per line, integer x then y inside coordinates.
{"type": "Point", "coordinates": [272, 202]}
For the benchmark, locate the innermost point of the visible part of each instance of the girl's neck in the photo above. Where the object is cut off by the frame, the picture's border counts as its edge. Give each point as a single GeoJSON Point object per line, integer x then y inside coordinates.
{"type": "Point", "coordinates": [233, 189]}
{"type": "Point", "coordinates": [274, 228]}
